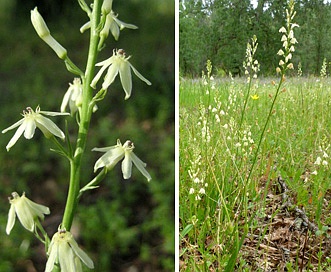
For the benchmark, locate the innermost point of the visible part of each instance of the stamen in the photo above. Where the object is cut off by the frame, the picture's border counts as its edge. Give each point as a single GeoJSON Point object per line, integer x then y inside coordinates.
{"type": "Point", "coordinates": [121, 52]}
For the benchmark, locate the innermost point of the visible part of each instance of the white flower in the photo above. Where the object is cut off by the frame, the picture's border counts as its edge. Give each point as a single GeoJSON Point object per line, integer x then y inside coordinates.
{"type": "Point", "coordinates": [196, 180]}
{"type": "Point", "coordinates": [282, 30]}
{"type": "Point", "coordinates": [110, 23]}
{"type": "Point", "coordinates": [117, 152]}
{"type": "Point", "coordinates": [117, 63]}
{"type": "Point", "coordinates": [202, 191]}
{"type": "Point", "coordinates": [31, 120]}
{"type": "Point", "coordinates": [44, 33]}
{"type": "Point", "coordinates": [26, 210]}
{"type": "Point", "coordinates": [64, 250]}
{"type": "Point", "coordinates": [293, 25]}
{"type": "Point", "coordinates": [280, 52]}
{"type": "Point", "coordinates": [107, 6]}
{"type": "Point", "coordinates": [290, 66]}
{"type": "Point", "coordinates": [318, 161]}
{"type": "Point", "coordinates": [73, 96]}
{"type": "Point", "coordinates": [191, 191]}
{"type": "Point", "coordinates": [113, 25]}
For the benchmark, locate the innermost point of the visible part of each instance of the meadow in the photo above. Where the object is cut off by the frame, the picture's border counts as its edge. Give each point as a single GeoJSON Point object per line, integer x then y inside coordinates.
{"type": "Point", "coordinates": [255, 183]}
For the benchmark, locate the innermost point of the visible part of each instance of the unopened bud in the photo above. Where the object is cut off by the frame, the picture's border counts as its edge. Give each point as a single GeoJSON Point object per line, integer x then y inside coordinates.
{"type": "Point", "coordinates": [39, 24]}
{"type": "Point", "coordinates": [44, 33]}
{"type": "Point", "coordinates": [106, 6]}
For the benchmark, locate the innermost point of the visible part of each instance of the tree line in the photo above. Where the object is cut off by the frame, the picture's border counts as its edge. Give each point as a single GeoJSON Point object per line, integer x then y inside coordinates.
{"type": "Point", "coordinates": [219, 30]}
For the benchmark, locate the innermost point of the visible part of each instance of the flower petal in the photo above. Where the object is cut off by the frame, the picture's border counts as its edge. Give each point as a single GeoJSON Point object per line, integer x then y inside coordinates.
{"type": "Point", "coordinates": [109, 159]}
{"type": "Point", "coordinates": [81, 254]}
{"type": "Point", "coordinates": [106, 62]}
{"type": "Point", "coordinates": [66, 257]}
{"type": "Point", "coordinates": [66, 100]}
{"type": "Point", "coordinates": [53, 253]}
{"type": "Point", "coordinates": [24, 213]}
{"type": "Point", "coordinates": [37, 209]}
{"type": "Point", "coordinates": [97, 77]}
{"type": "Point", "coordinates": [140, 165]}
{"type": "Point", "coordinates": [30, 127]}
{"type": "Point", "coordinates": [48, 127]}
{"type": "Point", "coordinates": [123, 25]}
{"type": "Point", "coordinates": [105, 30]}
{"type": "Point", "coordinates": [115, 30]}
{"type": "Point", "coordinates": [127, 165]}
{"type": "Point", "coordinates": [18, 123]}
{"type": "Point", "coordinates": [11, 219]}
{"type": "Point", "coordinates": [17, 134]}
{"type": "Point", "coordinates": [110, 76]}
{"type": "Point", "coordinates": [85, 27]}
{"type": "Point", "coordinates": [126, 78]}
{"type": "Point", "coordinates": [78, 265]}
{"type": "Point", "coordinates": [104, 149]}
{"type": "Point", "coordinates": [140, 75]}
{"type": "Point", "coordinates": [53, 113]}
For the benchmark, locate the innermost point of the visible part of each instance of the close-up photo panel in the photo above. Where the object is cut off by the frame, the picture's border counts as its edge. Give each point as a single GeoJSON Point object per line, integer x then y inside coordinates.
{"type": "Point", "coordinates": [87, 147]}
{"type": "Point", "coordinates": [254, 135]}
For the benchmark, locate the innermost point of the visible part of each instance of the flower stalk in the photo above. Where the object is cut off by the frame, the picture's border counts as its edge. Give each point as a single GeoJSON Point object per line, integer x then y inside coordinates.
{"type": "Point", "coordinates": [86, 112]}
{"type": "Point", "coordinates": [289, 42]}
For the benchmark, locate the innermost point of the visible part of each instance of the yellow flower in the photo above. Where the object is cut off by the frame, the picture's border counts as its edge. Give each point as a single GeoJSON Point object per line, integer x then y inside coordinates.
{"type": "Point", "coordinates": [255, 97]}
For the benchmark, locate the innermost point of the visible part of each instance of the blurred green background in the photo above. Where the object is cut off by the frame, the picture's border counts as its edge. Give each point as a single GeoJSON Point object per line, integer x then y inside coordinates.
{"type": "Point", "coordinates": [125, 225]}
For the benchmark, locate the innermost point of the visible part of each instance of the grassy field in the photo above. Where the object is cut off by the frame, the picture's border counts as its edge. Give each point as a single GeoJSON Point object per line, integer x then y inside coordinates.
{"type": "Point", "coordinates": [249, 209]}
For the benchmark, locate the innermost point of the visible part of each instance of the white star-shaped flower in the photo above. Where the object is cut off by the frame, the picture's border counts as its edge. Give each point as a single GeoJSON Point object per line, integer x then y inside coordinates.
{"type": "Point", "coordinates": [118, 63]}
{"type": "Point", "coordinates": [32, 119]}
{"type": "Point", "coordinates": [116, 153]}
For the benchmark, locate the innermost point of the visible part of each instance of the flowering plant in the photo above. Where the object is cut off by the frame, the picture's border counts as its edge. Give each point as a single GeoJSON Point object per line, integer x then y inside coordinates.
{"type": "Point", "coordinates": [81, 100]}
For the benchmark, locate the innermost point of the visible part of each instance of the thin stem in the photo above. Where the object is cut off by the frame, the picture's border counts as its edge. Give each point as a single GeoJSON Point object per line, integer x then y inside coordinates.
{"type": "Point", "coordinates": [72, 67]}
{"type": "Point", "coordinates": [43, 232]}
{"type": "Point", "coordinates": [94, 182]}
{"type": "Point", "coordinates": [265, 126]}
{"type": "Point", "coordinates": [86, 112]}
{"type": "Point", "coordinates": [62, 151]}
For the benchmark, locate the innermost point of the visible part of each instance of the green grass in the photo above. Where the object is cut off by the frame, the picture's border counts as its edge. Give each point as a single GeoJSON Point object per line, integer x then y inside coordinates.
{"type": "Point", "coordinates": [231, 214]}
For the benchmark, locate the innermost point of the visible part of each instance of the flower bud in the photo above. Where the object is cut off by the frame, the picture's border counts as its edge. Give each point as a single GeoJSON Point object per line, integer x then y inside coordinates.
{"type": "Point", "coordinates": [106, 6]}
{"type": "Point", "coordinates": [44, 33]}
{"type": "Point", "coordinates": [290, 66]}
{"type": "Point", "coordinates": [39, 24]}
{"type": "Point", "coordinates": [60, 51]}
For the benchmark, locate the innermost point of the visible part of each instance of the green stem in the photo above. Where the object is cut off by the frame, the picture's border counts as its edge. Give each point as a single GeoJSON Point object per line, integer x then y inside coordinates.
{"type": "Point", "coordinates": [94, 182]}
{"type": "Point", "coordinates": [86, 112]}
{"type": "Point", "coordinates": [72, 68]}
{"type": "Point", "coordinates": [265, 127]}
